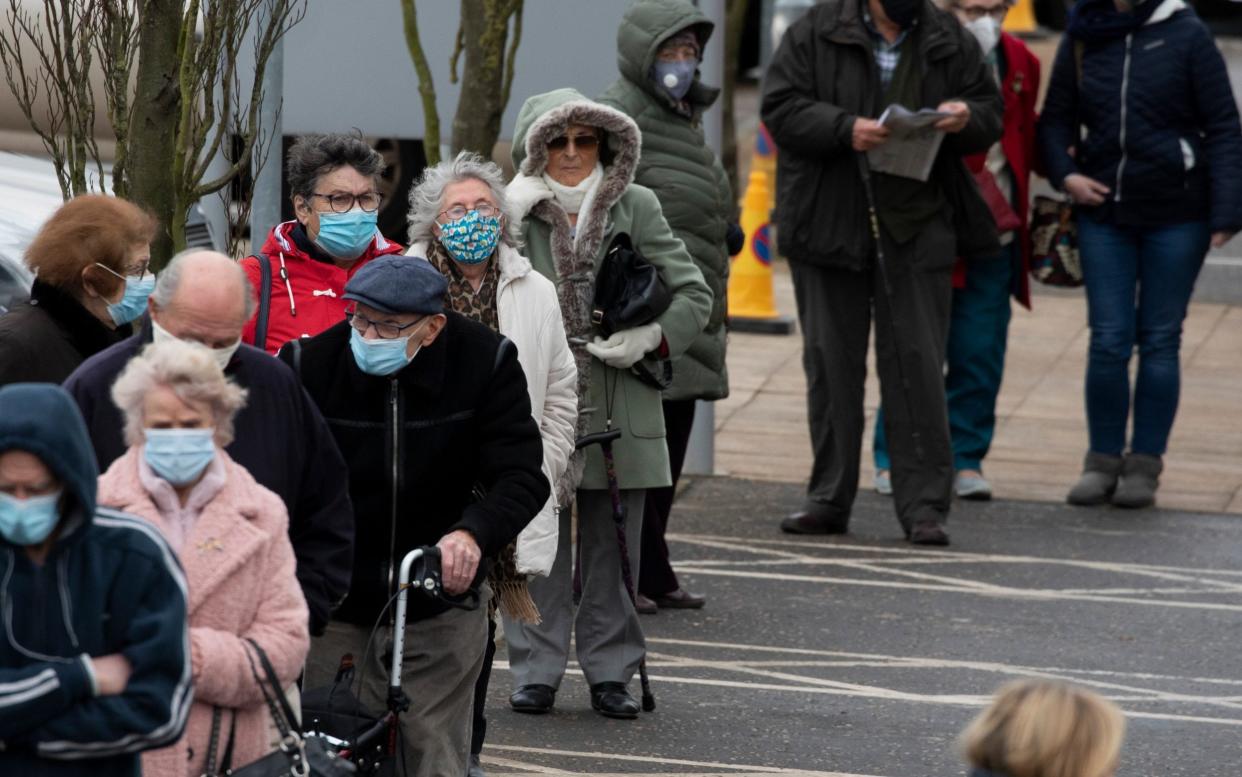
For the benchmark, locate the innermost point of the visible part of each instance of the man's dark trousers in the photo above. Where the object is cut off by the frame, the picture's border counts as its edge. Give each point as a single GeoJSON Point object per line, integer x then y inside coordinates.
{"type": "Point", "coordinates": [835, 312]}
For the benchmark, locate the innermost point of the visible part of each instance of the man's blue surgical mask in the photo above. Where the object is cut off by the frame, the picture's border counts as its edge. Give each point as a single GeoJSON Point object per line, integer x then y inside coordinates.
{"type": "Point", "coordinates": [675, 77]}
{"type": "Point", "coordinates": [179, 456]}
{"type": "Point", "coordinates": [380, 357]}
{"type": "Point", "coordinates": [28, 521]}
{"type": "Point", "coordinates": [346, 235]}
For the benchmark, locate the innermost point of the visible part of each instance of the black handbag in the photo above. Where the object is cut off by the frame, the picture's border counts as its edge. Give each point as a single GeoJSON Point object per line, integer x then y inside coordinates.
{"type": "Point", "coordinates": [295, 756]}
{"type": "Point", "coordinates": [630, 293]}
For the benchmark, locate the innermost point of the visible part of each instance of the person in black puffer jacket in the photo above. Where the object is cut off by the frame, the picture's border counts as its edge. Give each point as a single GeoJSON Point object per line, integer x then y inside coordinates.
{"type": "Point", "coordinates": [1157, 179]}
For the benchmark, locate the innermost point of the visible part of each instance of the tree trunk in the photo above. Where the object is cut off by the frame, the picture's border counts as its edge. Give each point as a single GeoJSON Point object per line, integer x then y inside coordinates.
{"type": "Point", "coordinates": [735, 20]}
{"type": "Point", "coordinates": [152, 143]}
{"type": "Point", "coordinates": [484, 29]}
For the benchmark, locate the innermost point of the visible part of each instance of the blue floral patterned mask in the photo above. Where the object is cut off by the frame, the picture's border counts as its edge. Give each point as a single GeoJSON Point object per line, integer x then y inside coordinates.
{"type": "Point", "coordinates": [471, 239]}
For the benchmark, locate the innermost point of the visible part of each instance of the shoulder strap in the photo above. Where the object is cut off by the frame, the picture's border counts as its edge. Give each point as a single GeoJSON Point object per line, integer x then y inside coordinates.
{"type": "Point", "coordinates": [265, 300]}
{"type": "Point", "coordinates": [296, 345]}
{"type": "Point", "coordinates": [505, 346]}
{"type": "Point", "coordinates": [1079, 48]}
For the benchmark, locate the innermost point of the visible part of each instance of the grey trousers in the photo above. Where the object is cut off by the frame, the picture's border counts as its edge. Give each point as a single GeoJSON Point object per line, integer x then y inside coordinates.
{"type": "Point", "coordinates": [835, 311]}
{"type": "Point", "coordinates": [441, 662]}
{"type": "Point", "coordinates": [609, 638]}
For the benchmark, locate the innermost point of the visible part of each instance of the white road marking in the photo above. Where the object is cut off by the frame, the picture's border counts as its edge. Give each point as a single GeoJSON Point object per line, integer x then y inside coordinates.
{"type": "Point", "coordinates": [732, 769]}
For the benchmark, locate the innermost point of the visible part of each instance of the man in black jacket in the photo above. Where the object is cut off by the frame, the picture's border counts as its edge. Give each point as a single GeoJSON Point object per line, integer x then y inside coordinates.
{"type": "Point", "coordinates": [431, 411]}
{"type": "Point", "coordinates": [281, 439]}
{"type": "Point", "coordinates": [836, 70]}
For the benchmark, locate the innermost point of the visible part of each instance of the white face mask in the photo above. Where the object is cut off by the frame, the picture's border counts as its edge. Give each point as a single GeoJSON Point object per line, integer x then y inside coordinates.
{"type": "Point", "coordinates": [987, 31]}
{"type": "Point", "coordinates": [222, 355]}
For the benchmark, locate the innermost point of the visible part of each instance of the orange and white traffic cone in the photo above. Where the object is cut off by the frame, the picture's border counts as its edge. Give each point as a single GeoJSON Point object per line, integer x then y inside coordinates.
{"type": "Point", "coordinates": [752, 303]}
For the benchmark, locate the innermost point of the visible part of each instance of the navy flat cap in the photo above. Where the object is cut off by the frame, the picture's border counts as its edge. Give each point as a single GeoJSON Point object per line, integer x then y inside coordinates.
{"type": "Point", "coordinates": [398, 284]}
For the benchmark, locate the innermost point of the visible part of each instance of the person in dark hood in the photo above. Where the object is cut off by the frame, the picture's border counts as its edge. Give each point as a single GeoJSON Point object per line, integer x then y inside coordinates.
{"type": "Point", "coordinates": [1156, 179]}
{"type": "Point", "coordinates": [659, 49]}
{"type": "Point", "coordinates": [92, 279]}
{"type": "Point", "coordinates": [95, 656]}
{"type": "Point", "coordinates": [837, 70]}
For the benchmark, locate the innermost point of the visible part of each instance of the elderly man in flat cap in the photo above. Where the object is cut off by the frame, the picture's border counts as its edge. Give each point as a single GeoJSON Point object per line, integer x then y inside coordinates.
{"type": "Point", "coordinates": [431, 412]}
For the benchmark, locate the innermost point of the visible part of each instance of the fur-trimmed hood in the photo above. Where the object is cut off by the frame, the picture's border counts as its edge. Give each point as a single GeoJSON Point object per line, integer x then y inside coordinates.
{"type": "Point", "coordinates": [545, 116]}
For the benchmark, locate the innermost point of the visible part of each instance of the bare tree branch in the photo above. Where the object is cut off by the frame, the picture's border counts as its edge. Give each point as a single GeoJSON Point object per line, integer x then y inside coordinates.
{"type": "Point", "coordinates": [426, 86]}
{"type": "Point", "coordinates": [511, 57]}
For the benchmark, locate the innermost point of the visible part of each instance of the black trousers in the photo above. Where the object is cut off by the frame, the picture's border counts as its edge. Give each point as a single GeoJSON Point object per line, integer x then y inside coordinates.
{"type": "Point", "coordinates": [656, 576]}
{"type": "Point", "coordinates": [835, 308]}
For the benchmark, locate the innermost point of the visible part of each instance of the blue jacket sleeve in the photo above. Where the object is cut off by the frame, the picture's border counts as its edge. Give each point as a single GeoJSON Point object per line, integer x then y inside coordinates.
{"type": "Point", "coordinates": [1217, 112]}
{"type": "Point", "coordinates": [1058, 124]}
{"type": "Point", "coordinates": [152, 710]}
{"type": "Point", "coordinates": [35, 693]}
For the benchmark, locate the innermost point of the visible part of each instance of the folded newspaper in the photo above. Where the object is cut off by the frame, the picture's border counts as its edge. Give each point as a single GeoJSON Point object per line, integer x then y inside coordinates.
{"type": "Point", "coordinates": [912, 143]}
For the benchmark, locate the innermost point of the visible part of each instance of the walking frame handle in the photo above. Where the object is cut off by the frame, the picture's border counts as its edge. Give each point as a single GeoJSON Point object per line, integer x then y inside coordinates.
{"type": "Point", "coordinates": [403, 594]}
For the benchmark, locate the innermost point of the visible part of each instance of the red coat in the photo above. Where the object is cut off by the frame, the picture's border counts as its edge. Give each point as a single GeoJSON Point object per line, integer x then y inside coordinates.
{"type": "Point", "coordinates": [1020, 90]}
{"type": "Point", "coordinates": [316, 287]}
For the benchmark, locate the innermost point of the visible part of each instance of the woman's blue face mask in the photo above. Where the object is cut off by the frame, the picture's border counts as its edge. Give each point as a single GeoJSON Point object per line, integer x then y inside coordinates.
{"type": "Point", "coordinates": [28, 521]}
{"type": "Point", "coordinates": [346, 235]}
{"type": "Point", "coordinates": [134, 302]}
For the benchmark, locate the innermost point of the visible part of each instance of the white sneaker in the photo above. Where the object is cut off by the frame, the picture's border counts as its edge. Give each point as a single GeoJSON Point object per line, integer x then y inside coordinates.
{"type": "Point", "coordinates": [883, 483]}
{"type": "Point", "coordinates": [972, 485]}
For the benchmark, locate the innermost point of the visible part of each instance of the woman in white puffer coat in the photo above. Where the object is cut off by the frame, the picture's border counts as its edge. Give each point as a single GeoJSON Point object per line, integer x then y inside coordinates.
{"type": "Point", "coordinates": [459, 223]}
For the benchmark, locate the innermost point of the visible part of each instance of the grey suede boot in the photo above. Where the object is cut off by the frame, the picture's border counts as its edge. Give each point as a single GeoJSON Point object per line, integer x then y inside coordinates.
{"type": "Point", "coordinates": [1140, 476]}
{"type": "Point", "coordinates": [1099, 479]}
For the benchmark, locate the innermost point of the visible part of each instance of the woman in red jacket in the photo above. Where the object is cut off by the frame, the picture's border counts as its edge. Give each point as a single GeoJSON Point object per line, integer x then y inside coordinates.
{"type": "Point", "coordinates": [979, 324]}
{"type": "Point", "coordinates": [310, 259]}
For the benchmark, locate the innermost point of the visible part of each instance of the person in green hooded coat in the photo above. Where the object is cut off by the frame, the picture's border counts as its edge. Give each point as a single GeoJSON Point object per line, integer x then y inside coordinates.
{"type": "Point", "coordinates": [659, 47]}
{"type": "Point", "coordinates": [575, 194]}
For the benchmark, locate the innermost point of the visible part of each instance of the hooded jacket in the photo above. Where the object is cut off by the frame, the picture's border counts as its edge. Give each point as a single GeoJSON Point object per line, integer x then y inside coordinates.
{"type": "Point", "coordinates": [824, 76]}
{"type": "Point", "coordinates": [239, 565]}
{"type": "Point", "coordinates": [110, 584]}
{"type": "Point", "coordinates": [617, 205]}
{"type": "Point", "coordinates": [306, 285]}
{"type": "Point", "coordinates": [530, 317]}
{"type": "Point", "coordinates": [420, 444]}
{"type": "Point", "coordinates": [683, 171]}
{"type": "Point", "coordinates": [280, 438]}
{"type": "Point", "coordinates": [1162, 129]}
{"type": "Point", "coordinates": [45, 338]}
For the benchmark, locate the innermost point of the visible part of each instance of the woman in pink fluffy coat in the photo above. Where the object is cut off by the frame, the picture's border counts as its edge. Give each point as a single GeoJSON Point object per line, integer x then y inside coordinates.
{"type": "Point", "coordinates": [230, 534]}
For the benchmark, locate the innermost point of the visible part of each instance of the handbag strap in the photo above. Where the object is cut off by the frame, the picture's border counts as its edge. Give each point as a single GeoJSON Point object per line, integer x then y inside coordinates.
{"type": "Point", "coordinates": [212, 767]}
{"type": "Point", "coordinates": [282, 714]}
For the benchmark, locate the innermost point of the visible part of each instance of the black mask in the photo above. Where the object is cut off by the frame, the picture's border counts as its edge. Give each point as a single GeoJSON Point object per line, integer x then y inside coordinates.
{"type": "Point", "coordinates": [902, 12]}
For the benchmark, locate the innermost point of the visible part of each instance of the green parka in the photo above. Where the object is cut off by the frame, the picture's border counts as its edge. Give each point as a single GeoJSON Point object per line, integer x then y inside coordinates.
{"type": "Point", "coordinates": [683, 171]}
{"type": "Point", "coordinates": [572, 262]}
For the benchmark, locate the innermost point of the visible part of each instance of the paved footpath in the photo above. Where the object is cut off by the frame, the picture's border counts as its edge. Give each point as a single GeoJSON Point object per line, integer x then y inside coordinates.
{"type": "Point", "coordinates": [1041, 433]}
{"type": "Point", "coordinates": [865, 656]}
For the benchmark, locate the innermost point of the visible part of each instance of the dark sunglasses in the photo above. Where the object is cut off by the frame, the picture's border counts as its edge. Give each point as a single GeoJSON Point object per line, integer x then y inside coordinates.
{"type": "Point", "coordinates": [582, 141]}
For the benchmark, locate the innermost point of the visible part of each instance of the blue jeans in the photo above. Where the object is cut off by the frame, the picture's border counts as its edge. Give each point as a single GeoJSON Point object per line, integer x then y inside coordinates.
{"type": "Point", "coordinates": [1139, 280]}
{"type": "Point", "coordinates": [975, 355]}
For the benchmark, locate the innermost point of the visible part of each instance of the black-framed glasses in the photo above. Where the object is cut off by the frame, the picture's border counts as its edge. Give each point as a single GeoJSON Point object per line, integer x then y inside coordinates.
{"type": "Point", "coordinates": [485, 211]}
{"type": "Point", "coordinates": [975, 13]}
{"type": "Point", "coordinates": [385, 330]}
{"type": "Point", "coordinates": [342, 202]}
{"type": "Point", "coordinates": [138, 271]}
{"type": "Point", "coordinates": [580, 141]}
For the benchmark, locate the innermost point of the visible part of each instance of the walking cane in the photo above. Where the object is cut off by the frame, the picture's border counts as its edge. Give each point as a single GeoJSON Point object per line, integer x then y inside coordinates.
{"type": "Point", "coordinates": [865, 170]}
{"type": "Point", "coordinates": [605, 440]}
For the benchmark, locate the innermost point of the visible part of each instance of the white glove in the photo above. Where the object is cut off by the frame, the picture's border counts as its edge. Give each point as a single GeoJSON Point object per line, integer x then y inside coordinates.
{"type": "Point", "coordinates": [627, 347]}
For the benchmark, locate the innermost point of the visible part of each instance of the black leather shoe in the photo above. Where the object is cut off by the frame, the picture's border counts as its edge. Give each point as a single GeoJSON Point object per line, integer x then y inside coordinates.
{"type": "Point", "coordinates": [815, 519]}
{"type": "Point", "coordinates": [680, 599]}
{"type": "Point", "coordinates": [533, 699]}
{"type": "Point", "coordinates": [612, 701]}
{"type": "Point", "coordinates": [645, 606]}
{"type": "Point", "coordinates": [928, 533]}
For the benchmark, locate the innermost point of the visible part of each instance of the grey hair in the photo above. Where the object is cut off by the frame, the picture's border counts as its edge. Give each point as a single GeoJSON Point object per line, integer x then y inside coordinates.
{"type": "Point", "coordinates": [319, 154]}
{"type": "Point", "coordinates": [427, 198]}
{"type": "Point", "coordinates": [169, 280]}
{"type": "Point", "coordinates": [193, 374]}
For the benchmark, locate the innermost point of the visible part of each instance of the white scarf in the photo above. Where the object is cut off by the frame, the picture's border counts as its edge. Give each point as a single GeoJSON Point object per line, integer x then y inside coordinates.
{"type": "Point", "coordinates": [572, 198]}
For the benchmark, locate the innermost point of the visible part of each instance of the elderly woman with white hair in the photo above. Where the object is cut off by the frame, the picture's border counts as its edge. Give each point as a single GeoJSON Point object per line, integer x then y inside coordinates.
{"type": "Point", "coordinates": [459, 222]}
{"type": "Point", "coordinates": [230, 535]}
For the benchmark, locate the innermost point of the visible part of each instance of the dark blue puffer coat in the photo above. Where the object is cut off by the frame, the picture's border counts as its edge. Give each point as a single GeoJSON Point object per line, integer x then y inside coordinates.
{"type": "Point", "coordinates": [1161, 123]}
